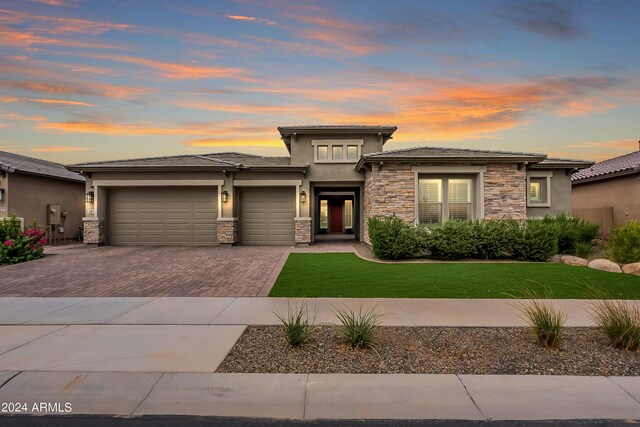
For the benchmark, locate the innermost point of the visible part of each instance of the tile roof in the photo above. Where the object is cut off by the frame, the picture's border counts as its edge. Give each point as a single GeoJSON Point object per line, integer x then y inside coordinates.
{"type": "Point", "coordinates": [215, 160]}
{"type": "Point", "coordinates": [310, 128]}
{"type": "Point", "coordinates": [15, 162]}
{"type": "Point", "coordinates": [445, 152]}
{"type": "Point", "coordinates": [629, 163]}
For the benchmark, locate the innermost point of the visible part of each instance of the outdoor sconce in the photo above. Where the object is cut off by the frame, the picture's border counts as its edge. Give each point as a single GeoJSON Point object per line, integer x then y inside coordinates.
{"type": "Point", "coordinates": [303, 196]}
{"type": "Point", "coordinates": [89, 197]}
{"type": "Point", "coordinates": [225, 196]}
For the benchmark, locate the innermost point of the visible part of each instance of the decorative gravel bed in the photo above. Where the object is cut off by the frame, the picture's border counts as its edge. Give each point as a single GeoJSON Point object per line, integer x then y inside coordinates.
{"type": "Point", "coordinates": [432, 350]}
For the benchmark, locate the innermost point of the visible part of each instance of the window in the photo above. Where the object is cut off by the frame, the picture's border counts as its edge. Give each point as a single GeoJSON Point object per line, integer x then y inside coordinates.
{"type": "Point", "coordinates": [336, 152]}
{"type": "Point", "coordinates": [348, 214]}
{"type": "Point", "coordinates": [324, 214]}
{"type": "Point", "coordinates": [352, 152]}
{"type": "Point", "coordinates": [323, 152]}
{"type": "Point", "coordinates": [430, 201]}
{"type": "Point", "coordinates": [539, 188]}
{"type": "Point", "coordinates": [444, 198]}
{"type": "Point", "coordinates": [459, 199]}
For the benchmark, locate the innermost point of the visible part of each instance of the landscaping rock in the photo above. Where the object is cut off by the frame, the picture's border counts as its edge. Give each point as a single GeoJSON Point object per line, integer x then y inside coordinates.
{"type": "Point", "coordinates": [574, 260]}
{"type": "Point", "coordinates": [556, 258]}
{"type": "Point", "coordinates": [605, 265]}
{"type": "Point", "coordinates": [633, 268]}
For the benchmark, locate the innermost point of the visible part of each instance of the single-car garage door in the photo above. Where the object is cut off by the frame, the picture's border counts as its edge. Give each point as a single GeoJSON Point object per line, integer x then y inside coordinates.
{"type": "Point", "coordinates": [267, 216]}
{"type": "Point", "coordinates": [163, 216]}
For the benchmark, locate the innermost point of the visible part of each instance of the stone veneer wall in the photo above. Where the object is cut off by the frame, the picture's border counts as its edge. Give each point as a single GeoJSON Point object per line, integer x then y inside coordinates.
{"type": "Point", "coordinates": [303, 231]}
{"type": "Point", "coordinates": [227, 231]}
{"type": "Point", "coordinates": [505, 192]}
{"type": "Point", "coordinates": [94, 231]}
{"type": "Point", "coordinates": [389, 190]}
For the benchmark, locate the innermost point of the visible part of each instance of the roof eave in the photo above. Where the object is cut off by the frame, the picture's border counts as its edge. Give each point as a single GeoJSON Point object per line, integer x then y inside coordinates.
{"type": "Point", "coordinates": [46, 175]}
{"type": "Point", "coordinates": [584, 165]}
{"type": "Point", "coordinates": [603, 177]}
{"type": "Point", "coordinates": [139, 168]}
{"type": "Point", "coordinates": [442, 159]}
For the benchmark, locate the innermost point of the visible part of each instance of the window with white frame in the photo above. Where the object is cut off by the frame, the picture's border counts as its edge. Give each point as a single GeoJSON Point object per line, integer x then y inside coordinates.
{"type": "Point", "coordinates": [337, 150]}
{"type": "Point", "coordinates": [539, 188]}
{"type": "Point", "coordinates": [441, 198]}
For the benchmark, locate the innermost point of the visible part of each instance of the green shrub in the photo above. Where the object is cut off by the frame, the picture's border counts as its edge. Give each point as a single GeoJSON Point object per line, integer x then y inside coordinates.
{"type": "Point", "coordinates": [546, 320]}
{"type": "Point", "coordinates": [492, 238]}
{"type": "Point", "coordinates": [453, 239]}
{"type": "Point", "coordinates": [534, 241]}
{"type": "Point", "coordinates": [620, 321]}
{"type": "Point", "coordinates": [583, 249]}
{"type": "Point", "coordinates": [26, 246]}
{"type": "Point", "coordinates": [571, 230]}
{"type": "Point", "coordinates": [392, 239]}
{"type": "Point", "coordinates": [624, 243]}
{"type": "Point", "coordinates": [10, 228]}
{"type": "Point", "coordinates": [358, 328]}
{"type": "Point", "coordinates": [297, 326]}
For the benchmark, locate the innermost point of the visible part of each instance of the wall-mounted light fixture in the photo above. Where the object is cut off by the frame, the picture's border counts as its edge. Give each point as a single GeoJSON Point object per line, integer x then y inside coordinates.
{"type": "Point", "coordinates": [89, 197]}
{"type": "Point", "coordinates": [303, 196]}
{"type": "Point", "coordinates": [225, 196]}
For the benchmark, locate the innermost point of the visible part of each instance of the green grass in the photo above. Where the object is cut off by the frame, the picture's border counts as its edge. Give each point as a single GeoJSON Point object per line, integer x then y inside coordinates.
{"type": "Point", "coordinates": [346, 275]}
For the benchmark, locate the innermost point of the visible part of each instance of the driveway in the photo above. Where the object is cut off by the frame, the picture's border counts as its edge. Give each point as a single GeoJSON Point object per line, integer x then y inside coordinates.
{"type": "Point", "coordinates": [146, 272]}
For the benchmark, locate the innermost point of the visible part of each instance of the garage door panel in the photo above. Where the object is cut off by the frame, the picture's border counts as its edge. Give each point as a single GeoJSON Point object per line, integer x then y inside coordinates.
{"type": "Point", "coordinates": [267, 216]}
{"type": "Point", "coordinates": [163, 216]}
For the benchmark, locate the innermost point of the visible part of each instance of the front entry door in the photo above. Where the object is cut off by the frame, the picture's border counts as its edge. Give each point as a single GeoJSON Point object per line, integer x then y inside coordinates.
{"type": "Point", "coordinates": [335, 221]}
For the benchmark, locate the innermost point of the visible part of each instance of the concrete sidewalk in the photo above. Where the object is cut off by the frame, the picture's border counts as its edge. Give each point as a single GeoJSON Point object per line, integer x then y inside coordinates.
{"type": "Point", "coordinates": [155, 356]}
{"type": "Point", "coordinates": [260, 311]}
{"type": "Point", "coordinates": [315, 396]}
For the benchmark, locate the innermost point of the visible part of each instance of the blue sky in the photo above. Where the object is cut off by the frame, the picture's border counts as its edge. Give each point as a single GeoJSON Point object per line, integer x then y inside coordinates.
{"type": "Point", "coordinates": [88, 80]}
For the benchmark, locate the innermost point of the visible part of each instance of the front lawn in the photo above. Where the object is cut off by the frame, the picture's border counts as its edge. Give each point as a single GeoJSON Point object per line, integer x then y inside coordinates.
{"type": "Point", "coordinates": [347, 275]}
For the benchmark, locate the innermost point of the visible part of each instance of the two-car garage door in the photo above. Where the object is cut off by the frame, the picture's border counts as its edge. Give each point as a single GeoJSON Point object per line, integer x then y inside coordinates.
{"type": "Point", "coordinates": [163, 216]}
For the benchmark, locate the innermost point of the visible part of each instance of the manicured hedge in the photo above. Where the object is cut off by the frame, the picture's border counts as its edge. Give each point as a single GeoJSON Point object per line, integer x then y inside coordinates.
{"type": "Point", "coordinates": [624, 243]}
{"type": "Point", "coordinates": [531, 240]}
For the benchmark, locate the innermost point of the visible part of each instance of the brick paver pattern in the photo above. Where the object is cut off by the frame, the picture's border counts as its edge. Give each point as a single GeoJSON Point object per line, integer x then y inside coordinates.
{"type": "Point", "coordinates": [145, 271]}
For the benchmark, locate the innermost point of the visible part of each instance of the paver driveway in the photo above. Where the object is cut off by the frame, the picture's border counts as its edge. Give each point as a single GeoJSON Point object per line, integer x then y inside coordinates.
{"type": "Point", "coordinates": [145, 271]}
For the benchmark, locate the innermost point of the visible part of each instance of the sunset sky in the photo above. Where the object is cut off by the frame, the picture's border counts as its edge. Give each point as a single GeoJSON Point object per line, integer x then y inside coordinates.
{"type": "Point", "coordinates": [85, 80]}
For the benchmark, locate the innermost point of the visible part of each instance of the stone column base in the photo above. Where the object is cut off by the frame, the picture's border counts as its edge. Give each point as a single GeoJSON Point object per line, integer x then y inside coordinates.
{"type": "Point", "coordinates": [303, 230]}
{"type": "Point", "coordinates": [94, 231]}
{"type": "Point", "coordinates": [227, 231]}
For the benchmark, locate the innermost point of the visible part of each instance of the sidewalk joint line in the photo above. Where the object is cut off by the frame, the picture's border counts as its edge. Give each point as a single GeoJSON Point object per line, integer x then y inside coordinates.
{"type": "Point", "coordinates": [472, 399]}
{"type": "Point", "coordinates": [306, 391]}
{"type": "Point", "coordinates": [12, 377]}
{"type": "Point", "coordinates": [162, 374]}
{"type": "Point", "coordinates": [623, 389]}
{"type": "Point", "coordinates": [61, 327]}
{"type": "Point", "coordinates": [108, 322]}
{"type": "Point", "coordinates": [223, 310]}
{"type": "Point", "coordinates": [55, 311]}
{"type": "Point", "coordinates": [396, 300]}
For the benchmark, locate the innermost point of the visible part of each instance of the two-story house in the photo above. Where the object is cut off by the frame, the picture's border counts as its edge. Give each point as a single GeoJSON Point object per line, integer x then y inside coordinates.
{"type": "Point", "coordinates": [335, 178]}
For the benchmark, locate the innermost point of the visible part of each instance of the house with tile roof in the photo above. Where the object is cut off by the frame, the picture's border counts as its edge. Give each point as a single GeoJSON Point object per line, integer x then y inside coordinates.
{"type": "Point", "coordinates": [333, 181]}
{"type": "Point", "coordinates": [30, 188]}
{"type": "Point", "coordinates": [608, 193]}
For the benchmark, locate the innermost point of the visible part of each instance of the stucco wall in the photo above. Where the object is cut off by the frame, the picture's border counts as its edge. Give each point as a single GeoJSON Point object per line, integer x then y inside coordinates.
{"type": "Point", "coordinates": [560, 196]}
{"type": "Point", "coordinates": [619, 195]}
{"type": "Point", "coordinates": [30, 195]}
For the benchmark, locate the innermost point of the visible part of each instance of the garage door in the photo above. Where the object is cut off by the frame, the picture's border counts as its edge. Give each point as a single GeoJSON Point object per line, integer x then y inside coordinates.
{"type": "Point", "coordinates": [266, 216]}
{"type": "Point", "coordinates": [163, 216]}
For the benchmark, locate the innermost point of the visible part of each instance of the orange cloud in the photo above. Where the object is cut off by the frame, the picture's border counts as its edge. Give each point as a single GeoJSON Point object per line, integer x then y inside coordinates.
{"type": "Point", "coordinates": [57, 25]}
{"type": "Point", "coordinates": [25, 38]}
{"type": "Point", "coordinates": [47, 101]}
{"type": "Point", "coordinates": [251, 19]}
{"type": "Point", "coordinates": [61, 3]}
{"type": "Point", "coordinates": [235, 142]}
{"type": "Point", "coordinates": [174, 71]}
{"type": "Point", "coordinates": [95, 89]}
{"type": "Point", "coordinates": [3, 125]}
{"type": "Point", "coordinates": [618, 144]}
{"type": "Point", "coordinates": [236, 108]}
{"type": "Point", "coordinates": [58, 149]}
{"type": "Point", "coordinates": [106, 128]}
{"type": "Point", "coordinates": [21, 118]}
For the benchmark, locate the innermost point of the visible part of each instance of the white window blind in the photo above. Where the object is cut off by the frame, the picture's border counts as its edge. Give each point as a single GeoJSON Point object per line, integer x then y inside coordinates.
{"type": "Point", "coordinates": [430, 201]}
{"type": "Point", "coordinates": [459, 199]}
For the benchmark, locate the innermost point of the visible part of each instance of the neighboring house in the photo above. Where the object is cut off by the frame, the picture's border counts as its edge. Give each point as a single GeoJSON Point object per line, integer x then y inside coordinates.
{"type": "Point", "coordinates": [334, 180]}
{"type": "Point", "coordinates": [32, 188]}
{"type": "Point", "coordinates": [608, 193]}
